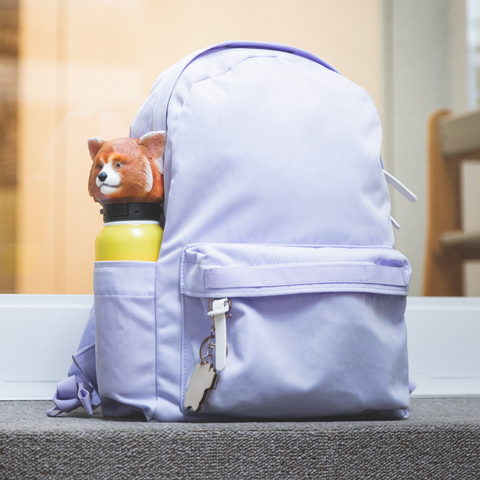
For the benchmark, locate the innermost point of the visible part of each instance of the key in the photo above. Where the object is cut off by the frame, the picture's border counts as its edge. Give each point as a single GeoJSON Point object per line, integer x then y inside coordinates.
{"type": "Point", "coordinates": [203, 379]}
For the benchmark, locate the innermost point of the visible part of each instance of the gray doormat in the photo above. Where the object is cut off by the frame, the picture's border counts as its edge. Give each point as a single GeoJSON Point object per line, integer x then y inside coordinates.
{"type": "Point", "coordinates": [440, 440]}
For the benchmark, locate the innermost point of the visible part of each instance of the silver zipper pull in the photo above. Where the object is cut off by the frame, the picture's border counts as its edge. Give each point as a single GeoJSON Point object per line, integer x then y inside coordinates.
{"type": "Point", "coordinates": [218, 310]}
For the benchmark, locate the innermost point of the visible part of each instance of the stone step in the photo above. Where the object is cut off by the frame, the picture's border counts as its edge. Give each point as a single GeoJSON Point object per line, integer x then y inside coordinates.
{"type": "Point", "coordinates": [440, 440]}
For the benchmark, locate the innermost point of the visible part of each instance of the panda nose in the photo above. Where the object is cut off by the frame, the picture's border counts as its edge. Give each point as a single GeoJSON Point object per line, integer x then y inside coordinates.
{"type": "Point", "coordinates": [102, 176]}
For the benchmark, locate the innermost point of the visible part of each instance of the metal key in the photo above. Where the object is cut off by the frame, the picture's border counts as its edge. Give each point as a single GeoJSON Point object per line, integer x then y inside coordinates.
{"type": "Point", "coordinates": [203, 379]}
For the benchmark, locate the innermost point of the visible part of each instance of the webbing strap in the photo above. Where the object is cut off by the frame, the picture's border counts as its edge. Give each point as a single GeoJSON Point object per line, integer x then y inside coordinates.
{"type": "Point", "coordinates": [311, 274]}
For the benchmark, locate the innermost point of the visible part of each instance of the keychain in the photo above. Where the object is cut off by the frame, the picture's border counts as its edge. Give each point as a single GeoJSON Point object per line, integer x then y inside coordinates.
{"type": "Point", "coordinates": [205, 376]}
{"type": "Point", "coordinates": [203, 379]}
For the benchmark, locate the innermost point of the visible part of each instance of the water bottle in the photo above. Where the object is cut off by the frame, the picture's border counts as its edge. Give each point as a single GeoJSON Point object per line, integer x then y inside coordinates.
{"type": "Point", "coordinates": [131, 231]}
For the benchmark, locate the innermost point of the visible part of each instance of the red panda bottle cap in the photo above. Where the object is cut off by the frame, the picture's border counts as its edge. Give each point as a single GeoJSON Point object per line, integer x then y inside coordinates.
{"type": "Point", "coordinates": [126, 178]}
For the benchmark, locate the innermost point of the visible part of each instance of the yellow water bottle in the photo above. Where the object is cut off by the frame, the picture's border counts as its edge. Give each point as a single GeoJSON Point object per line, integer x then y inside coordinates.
{"type": "Point", "coordinates": [131, 231]}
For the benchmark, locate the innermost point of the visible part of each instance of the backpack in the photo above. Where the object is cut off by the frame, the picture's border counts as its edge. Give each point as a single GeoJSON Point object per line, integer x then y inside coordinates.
{"type": "Point", "coordinates": [277, 228]}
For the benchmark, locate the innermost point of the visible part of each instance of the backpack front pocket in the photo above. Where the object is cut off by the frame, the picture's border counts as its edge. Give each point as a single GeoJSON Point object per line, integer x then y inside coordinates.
{"type": "Point", "coordinates": [314, 331]}
{"type": "Point", "coordinates": [125, 337]}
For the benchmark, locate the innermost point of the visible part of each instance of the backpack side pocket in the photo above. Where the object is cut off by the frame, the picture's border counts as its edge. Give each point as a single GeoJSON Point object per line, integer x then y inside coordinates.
{"type": "Point", "coordinates": [125, 337]}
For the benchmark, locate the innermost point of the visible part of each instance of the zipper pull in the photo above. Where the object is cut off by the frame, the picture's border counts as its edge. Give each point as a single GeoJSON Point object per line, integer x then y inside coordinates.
{"type": "Point", "coordinates": [400, 187]}
{"type": "Point", "coordinates": [395, 223]}
{"type": "Point", "coordinates": [218, 310]}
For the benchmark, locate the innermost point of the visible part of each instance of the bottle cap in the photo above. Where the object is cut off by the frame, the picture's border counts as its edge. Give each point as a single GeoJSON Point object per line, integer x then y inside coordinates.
{"type": "Point", "coordinates": [123, 212]}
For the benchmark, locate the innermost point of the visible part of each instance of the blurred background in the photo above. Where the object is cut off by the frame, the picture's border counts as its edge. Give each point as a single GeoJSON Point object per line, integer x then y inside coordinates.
{"type": "Point", "coordinates": [73, 69]}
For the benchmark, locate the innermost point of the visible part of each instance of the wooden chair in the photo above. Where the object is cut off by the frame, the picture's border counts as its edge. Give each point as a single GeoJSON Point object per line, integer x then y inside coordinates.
{"type": "Point", "coordinates": [452, 139]}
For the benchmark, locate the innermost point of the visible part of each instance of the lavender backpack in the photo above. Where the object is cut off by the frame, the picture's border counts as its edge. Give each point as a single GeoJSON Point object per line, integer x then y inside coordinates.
{"type": "Point", "coordinates": [277, 228]}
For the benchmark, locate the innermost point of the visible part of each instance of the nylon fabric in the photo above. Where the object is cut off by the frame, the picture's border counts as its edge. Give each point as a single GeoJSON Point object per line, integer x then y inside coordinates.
{"type": "Point", "coordinates": [228, 113]}
{"type": "Point", "coordinates": [275, 197]}
{"type": "Point", "coordinates": [85, 361]}
{"type": "Point", "coordinates": [304, 356]}
{"type": "Point", "coordinates": [125, 337]}
{"type": "Point", "coordinates": [242, 270]}
{"type": "Point", "coordinates": [71, 393]}
{"type": "Point", "coordinates": [319, 274]}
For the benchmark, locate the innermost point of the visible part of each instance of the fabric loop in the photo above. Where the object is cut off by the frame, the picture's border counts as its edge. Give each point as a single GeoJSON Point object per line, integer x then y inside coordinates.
{"type": "Point", "coordinates": [85, 399]}
{"type": "Point", "coordinates": [71, 393]}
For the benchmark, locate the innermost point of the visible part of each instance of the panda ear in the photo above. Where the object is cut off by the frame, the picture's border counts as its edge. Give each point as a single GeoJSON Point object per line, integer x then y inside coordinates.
{"type": "Point", "coordinates": [155, 142]}
{"type": "Point", "coordinates": [94, 145]}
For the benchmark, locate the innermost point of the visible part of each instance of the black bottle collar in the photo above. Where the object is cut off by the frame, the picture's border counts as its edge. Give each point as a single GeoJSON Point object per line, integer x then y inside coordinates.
{"type": "Point", "coordinates": [121, 212]}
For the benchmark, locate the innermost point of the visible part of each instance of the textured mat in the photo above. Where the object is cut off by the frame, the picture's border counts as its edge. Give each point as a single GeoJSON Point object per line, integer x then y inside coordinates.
{"type": "Point", "coordinates": [440, 440]}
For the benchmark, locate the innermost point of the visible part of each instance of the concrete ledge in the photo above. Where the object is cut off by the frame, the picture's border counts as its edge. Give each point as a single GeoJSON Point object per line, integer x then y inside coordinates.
{"type": "Point", "coordinates": [440, 440]}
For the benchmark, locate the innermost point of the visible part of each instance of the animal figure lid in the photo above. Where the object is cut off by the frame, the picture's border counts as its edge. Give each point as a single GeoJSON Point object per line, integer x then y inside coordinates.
{"type": "Point", "coordinates": [126, 169]}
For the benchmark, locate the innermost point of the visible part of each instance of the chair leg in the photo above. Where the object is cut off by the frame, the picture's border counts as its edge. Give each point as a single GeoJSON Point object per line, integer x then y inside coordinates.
{"type": "Point", "coordinates": [443, 274]}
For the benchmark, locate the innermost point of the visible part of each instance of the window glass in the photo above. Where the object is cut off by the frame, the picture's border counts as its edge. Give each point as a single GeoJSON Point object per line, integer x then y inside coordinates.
{"type": "Point", "coordinates": [74, 69]}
